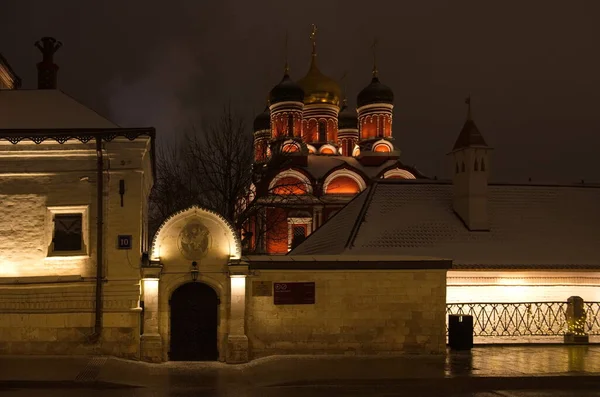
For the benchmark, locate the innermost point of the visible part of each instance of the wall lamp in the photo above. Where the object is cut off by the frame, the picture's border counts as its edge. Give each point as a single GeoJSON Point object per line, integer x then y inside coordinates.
{"type": "Point", "coordinates": [194, 271]}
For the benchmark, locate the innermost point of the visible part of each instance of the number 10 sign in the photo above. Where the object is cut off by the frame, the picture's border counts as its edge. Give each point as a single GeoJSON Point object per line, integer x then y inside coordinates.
{"type": "Point", "coordinates": [124, 242]}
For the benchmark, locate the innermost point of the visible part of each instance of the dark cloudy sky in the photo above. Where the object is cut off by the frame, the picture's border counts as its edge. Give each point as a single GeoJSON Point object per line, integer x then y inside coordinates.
{"type": "Point", "coordinates": [531, 66]}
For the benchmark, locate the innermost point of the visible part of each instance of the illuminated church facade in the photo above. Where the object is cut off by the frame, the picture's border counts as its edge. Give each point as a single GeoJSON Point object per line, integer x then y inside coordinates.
{"type": "Point", "coordinates": [313, 154]}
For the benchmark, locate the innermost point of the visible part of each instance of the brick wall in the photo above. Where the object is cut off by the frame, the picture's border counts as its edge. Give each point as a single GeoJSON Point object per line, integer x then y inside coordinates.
{"type": "Point", "coordinates": [362, 312]}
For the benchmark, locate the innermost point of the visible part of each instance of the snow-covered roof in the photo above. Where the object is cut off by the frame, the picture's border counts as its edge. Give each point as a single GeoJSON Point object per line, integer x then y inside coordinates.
{"type": "Point", "coordinates": [46, 109]}
{"type": "Point", "coordinates": [530, 226]}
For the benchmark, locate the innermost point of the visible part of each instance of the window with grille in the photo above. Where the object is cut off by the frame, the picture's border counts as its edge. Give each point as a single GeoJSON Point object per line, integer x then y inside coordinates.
{"type": "Point", "coordinates": [68, 232]}
{"type": "Point", "coordinates": [298, 235]}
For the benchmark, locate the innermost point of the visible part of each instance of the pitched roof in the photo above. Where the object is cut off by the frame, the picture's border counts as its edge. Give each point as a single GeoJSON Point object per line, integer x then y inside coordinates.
{"type": "Point", "coordinates": [46, 109]}
{"type": "Point", "coordinates": [469, 136]}
{"type": "Point", "coordinates": [530, 226]}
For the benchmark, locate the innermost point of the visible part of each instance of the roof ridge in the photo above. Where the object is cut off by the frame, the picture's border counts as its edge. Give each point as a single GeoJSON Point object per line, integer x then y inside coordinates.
{"type": "Point", "coordinates": [361, 216]}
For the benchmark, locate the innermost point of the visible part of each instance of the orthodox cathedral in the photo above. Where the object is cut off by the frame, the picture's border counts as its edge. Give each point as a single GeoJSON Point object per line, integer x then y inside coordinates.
{"type": "Point", "coordinates": [316, 153]}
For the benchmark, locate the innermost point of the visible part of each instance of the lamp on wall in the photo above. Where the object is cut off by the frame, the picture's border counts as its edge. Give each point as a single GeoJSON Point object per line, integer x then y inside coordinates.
{"type": "Point", "coordinates": [194, 272]}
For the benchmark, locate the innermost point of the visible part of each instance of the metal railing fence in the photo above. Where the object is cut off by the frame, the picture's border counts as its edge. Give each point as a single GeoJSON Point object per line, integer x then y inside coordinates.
{"type": "Point", "coordinates": [523, 319]}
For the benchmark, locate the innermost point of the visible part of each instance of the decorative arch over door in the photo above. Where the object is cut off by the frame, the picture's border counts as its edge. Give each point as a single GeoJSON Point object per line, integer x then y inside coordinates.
{"type": "Point", "coordinates": [194, 319]}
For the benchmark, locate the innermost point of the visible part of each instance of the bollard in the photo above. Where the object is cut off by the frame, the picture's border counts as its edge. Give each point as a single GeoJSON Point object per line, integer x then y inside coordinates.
{"type": "Point", "coordinates": [575, 321]}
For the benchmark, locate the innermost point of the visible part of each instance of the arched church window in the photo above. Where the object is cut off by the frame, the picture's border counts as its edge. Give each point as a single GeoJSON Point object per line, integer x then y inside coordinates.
{"type": "Point", "coordinates": [290, 148]}
{"type": "Point", "coordinates": [482, 165]}
{"type": "Point", "coordinates": [381, 148]}
{"type": "Point", "coordinates": [456, 170]}
{"type": "Point", "coordinates": [342, 185]}
{"type": "Point", "coordinates": [322, 131]}
{"type": "Point", "coordinates": [476, 165]}
{"type": "Point", "coordinates": [462, 167]}
{"type": "Point", "coordinates": [289, 185]}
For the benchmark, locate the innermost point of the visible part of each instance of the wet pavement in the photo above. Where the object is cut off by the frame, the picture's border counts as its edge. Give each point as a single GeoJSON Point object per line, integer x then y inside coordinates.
{"type": "Point", "coordinates": [485, 371]}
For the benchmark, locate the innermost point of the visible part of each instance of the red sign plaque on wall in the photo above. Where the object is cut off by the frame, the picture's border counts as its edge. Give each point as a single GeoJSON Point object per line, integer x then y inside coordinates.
{"type": "Point", "coordinates": [294, 293]}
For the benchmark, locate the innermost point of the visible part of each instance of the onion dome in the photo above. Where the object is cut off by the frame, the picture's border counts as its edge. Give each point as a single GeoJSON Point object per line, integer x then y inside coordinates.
{"type": "Point", "coordinates": [263, 121]}
{"type": "Point", "coordinates": [319, 88]}
{"type": "Point", "coordinates": [375, 92]}
{"type": "Point", "coordinates": [286, 91]}
{"type": "Point", "coordinates": [347, 119]}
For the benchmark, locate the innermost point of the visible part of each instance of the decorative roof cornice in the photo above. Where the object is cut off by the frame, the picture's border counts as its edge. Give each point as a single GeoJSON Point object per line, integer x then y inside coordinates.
{"type": "Point", "coordinates": [83, 135]}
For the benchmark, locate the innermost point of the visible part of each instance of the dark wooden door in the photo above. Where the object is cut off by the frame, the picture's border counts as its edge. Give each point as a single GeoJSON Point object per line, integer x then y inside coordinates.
{"type": "Point", "coordinates": [194, 316]}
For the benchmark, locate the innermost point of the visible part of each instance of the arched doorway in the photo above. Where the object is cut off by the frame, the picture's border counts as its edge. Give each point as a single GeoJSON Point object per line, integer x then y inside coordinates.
{"type": "Point", "coordinates": [194, 317]}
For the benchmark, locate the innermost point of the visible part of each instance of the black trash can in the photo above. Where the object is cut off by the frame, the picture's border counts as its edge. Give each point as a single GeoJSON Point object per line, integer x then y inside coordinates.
{"type": "Point", "coordinates": [460, 331]}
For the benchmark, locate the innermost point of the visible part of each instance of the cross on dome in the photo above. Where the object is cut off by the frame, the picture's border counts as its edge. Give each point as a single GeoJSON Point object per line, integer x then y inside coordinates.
{"type": "Point", "coordinates": [313, 39]}
{"type": "Point", "coordinates": [374, 48]}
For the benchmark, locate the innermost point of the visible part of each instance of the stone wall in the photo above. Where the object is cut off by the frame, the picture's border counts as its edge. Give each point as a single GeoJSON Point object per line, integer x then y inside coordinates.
{"type": "Point", "coordinates": [356, 312]}
{"type": "Point", "coordinates": [59, 319]}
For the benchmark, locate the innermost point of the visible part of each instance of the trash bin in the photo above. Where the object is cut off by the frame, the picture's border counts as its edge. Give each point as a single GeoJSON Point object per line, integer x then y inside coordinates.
{"type": "Point", "coordinates": [460, 331]}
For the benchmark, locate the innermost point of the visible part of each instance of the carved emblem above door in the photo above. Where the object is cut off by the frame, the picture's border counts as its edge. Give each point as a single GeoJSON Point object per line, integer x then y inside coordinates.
{"type": "Point", "coordinates": [194, 240]}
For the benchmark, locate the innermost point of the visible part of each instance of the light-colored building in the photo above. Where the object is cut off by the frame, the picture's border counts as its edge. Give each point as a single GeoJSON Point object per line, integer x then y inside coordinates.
{"type": "Point", "coordinates": [73, 204]}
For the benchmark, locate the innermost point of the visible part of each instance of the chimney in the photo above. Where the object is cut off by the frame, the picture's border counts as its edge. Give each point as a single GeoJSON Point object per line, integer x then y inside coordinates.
{"type": "Point", "coordinates": [470, 167]}
{"type": "Point", "coordinates": [47, 69]}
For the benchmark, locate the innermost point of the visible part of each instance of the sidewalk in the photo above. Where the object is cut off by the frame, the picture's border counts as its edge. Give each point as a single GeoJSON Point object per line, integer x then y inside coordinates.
{"type": "Point", "coordinates": [280, 371]}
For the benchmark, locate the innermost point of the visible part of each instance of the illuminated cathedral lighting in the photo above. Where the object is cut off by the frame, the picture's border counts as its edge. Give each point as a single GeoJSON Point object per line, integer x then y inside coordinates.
{"type": "Point", "coordinates": [309, 129]}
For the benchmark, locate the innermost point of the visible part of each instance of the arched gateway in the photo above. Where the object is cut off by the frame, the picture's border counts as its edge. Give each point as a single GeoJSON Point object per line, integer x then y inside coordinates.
{"type": "Point", "coordinates": [187, 291]}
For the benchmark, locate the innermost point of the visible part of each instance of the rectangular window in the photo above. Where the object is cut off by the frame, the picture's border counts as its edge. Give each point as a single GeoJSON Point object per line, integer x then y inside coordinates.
{"type": "Point", "coordinates": [298, 235]}
{"type": "Point", "coordinates": [299, 231]}
{"type": "Point", "coordinates": [68, 232]}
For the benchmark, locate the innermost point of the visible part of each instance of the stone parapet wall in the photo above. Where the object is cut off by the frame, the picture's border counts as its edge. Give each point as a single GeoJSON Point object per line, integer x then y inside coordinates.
{"type": "Point", "coordinates": [356, 312]}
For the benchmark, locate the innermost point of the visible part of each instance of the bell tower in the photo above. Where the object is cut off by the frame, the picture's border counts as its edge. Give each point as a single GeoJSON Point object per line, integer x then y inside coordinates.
{"type": "Point", "coordinates": [471, 167]}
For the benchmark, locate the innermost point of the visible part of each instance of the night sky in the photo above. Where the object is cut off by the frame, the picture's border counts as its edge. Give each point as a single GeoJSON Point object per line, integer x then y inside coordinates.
{"type": "Point", "coordinates": [532, 67]}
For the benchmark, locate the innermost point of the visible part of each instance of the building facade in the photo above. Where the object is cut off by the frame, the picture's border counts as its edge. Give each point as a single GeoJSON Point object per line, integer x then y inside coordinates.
{"type": "Point", "coordinates": [73, 222]}
{"type": "Point", "coordinates": [313, 154]}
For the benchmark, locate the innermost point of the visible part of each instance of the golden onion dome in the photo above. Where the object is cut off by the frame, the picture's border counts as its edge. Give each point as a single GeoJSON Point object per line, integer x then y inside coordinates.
{"type": "Point", "coordinates": [319, 88]}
